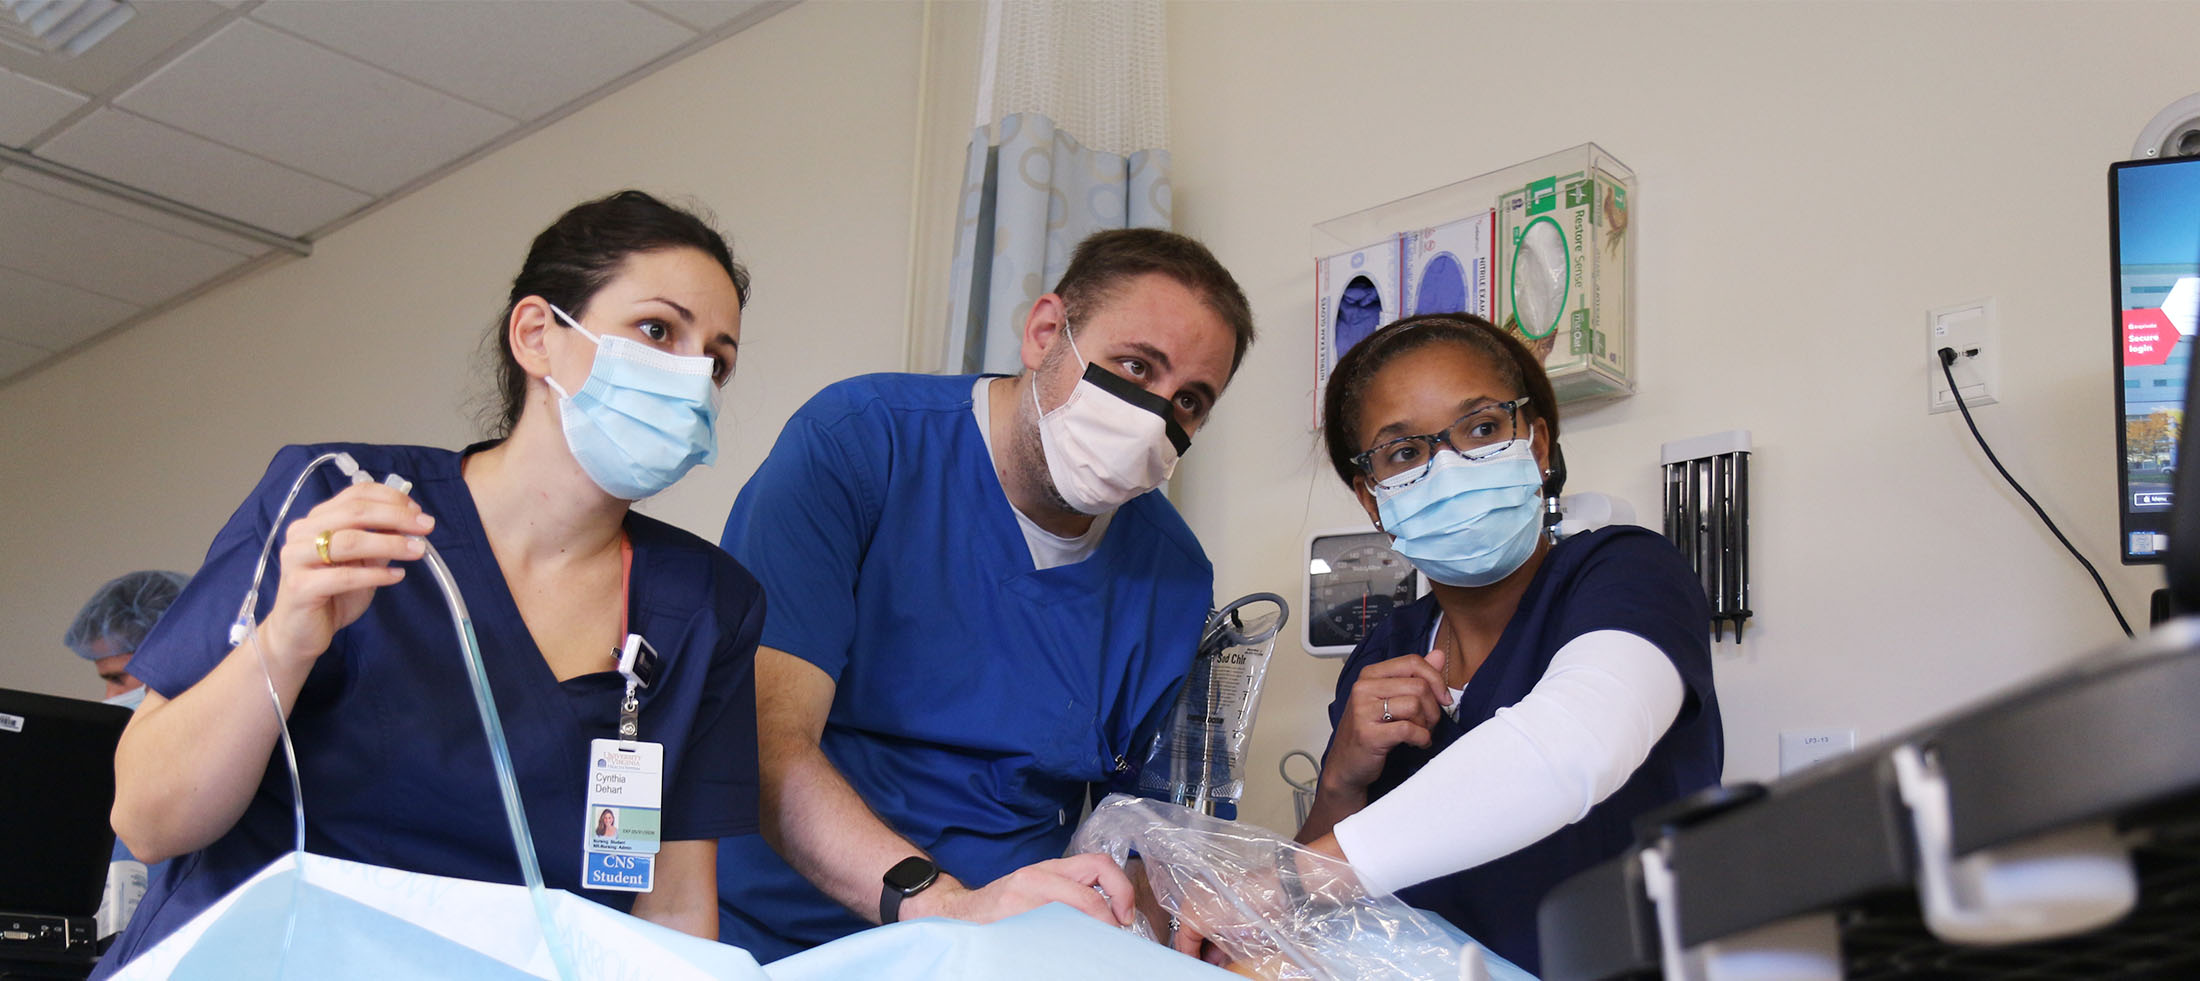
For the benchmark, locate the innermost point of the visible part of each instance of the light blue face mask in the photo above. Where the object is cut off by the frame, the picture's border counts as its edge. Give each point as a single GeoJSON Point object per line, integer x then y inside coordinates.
{"type": "Point", "coordinates": [643, 419]}
{"type": "Point", "coordinates": [130, 699]}
{"type": "Point", "coordinates": [1468, 522]}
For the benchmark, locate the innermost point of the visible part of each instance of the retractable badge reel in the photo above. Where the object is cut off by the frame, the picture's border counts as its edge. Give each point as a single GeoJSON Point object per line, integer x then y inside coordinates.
{"type": "Point", "coordinates": [625, 788]}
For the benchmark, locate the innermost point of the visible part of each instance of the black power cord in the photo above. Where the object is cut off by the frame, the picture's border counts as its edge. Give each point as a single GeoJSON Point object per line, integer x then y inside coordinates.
{"type": "Point", "coordinates": [1947, 362]}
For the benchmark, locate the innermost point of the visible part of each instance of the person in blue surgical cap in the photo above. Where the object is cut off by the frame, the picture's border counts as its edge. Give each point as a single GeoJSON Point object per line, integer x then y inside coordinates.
{"type": "Point", "coordinates": [1501, 733]}
{"type": "Point", "coordinates": [616, 336]}
{"type": "Point", "coordinates": [978, 597]}
{"type": "Point", "coordinates": [108, 630]}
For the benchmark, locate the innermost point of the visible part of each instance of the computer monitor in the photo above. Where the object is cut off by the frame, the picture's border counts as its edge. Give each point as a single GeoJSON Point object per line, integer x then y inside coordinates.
{"type": "Point", "coordinates": [2154, 276]}
{"type": "Point", "coordinates": [57, 756]}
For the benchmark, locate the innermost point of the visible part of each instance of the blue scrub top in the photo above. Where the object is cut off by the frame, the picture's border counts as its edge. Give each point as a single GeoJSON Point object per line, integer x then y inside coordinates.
{"type": "Point", "coordinates": [391, 753]}
{"type": "Point", "coordinates": [977, 698]}
{"type": "Point", "coordinates": [1618, 578]}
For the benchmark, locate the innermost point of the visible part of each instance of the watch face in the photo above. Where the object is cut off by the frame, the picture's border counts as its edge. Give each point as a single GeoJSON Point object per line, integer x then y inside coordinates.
{"type": "Point", "coordinates": [1356, 581]}
{"type": "Point", "coordinates": [912, 873]}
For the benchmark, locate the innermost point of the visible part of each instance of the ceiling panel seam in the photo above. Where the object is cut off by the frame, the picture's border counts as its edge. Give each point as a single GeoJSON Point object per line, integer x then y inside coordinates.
{"type": "Point", "coordinates": [99, 100]}
{"type": "Point", "coordinates": [384, 69]}
{"type": "Point", "coordinates": [134, 305]}
{"type": "Point", "coordinates": [323, 178]}
{"type": "Point", "coordinates": [50, 281]}
{"type": "Point", "coordinates": [109, 190]}
{"type": "Point", "coordinates": [551, 118]}
{"type": "Point", "coordinates": [249, 262]}
{"type": "Point", "coordinates": [232, 274]}
{"type": "Point", "coordinates": [667, 18]}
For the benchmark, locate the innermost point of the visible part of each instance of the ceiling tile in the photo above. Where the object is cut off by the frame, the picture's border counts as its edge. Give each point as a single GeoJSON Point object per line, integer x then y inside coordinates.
{"type": "Point", "coordinates": [546, 52]}
{"type": "Point", "coordinates": [309, 108]}
{"type": "Point", "coordinates": [51, 315]}
{"type": "Point", "coordinates": [123, 55]}
{"type": "Point", "coordinates": [137, 213]}
{"type": "Point", "coordinates": [99, 252]}
{"type": "Point", "coordinates": [29, 107]}
{"type": "Point", "coordinates": [179, 166]}
{"type": "Point", "coordinates": [709, 15]}
{"type": "Point", "coordinates": [16, 357]}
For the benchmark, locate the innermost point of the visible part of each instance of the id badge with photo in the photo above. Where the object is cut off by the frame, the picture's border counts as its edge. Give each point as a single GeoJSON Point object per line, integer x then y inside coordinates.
{"type": "Point", "coordinates": [625, 802]}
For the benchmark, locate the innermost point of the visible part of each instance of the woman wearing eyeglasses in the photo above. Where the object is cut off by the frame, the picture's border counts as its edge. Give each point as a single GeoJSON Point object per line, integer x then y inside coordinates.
{"type": "Point", "coordinates": [1499, 735]}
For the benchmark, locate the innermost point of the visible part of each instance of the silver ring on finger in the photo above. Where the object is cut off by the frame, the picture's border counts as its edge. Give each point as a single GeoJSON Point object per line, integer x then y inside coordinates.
{"type": "Point", "coordinates": [1386, 711]}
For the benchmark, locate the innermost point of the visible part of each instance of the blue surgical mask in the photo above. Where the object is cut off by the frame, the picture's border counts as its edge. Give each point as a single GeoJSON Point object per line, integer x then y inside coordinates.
{"type": "Point", "coordinates": [129, 699]}
{"type": "Point", "coordinates": [643, 419]}
{"type": "Point", "coordinates": [1468, 522]}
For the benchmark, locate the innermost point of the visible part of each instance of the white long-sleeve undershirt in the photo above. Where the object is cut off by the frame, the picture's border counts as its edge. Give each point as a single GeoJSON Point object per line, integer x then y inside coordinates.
{"type": "Point", "coordinates": [1533, 768]}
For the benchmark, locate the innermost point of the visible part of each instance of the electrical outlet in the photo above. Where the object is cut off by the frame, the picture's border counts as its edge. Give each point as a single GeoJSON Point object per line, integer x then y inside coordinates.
{"type": "Point", "coordinates": [1804, 747]}
{"type": "Point", "coordinates": [1974, 331]}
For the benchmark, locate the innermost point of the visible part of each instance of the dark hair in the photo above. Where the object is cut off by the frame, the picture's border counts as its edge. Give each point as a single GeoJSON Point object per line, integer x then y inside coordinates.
{"type": "Point", "coordinates": [1506, 354]}
{"type": "Point", "coordinates": [1104, 260]}
{"type": "Point", "coordinates": [579, 253]}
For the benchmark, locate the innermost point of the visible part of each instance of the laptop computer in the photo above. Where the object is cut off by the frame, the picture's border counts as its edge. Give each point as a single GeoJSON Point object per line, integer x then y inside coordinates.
{"type": "Point", "coordinates": [57, 783]}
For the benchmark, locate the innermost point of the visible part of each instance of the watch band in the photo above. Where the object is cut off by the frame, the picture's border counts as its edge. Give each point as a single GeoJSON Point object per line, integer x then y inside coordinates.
{"type": "Point", "coordinates": [889, 905]}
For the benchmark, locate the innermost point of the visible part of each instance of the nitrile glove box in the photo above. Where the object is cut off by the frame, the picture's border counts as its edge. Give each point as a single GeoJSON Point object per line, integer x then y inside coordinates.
{"type": "Point", "coordinates": [1448, 266]}
{"type": "Point", "coordinates": [1356, 291]}
{"type": "Point", "coordinates": [1556, 265]}
{"type": "Point", "coordinates": [1563, 273]}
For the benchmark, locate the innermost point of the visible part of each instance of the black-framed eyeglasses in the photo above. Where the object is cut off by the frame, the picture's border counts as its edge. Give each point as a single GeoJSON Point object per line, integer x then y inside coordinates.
{"type": "Point", "coordinates": [1402, 461]}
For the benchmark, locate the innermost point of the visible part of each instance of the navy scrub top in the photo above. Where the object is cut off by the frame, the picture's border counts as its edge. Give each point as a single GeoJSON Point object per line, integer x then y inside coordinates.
{"type": "Point", "coordinates": [391, 754]}
{"type": "Point", "coordinates": [1618, 578]}
{"type": "Point", "coordinates": [976, 698]}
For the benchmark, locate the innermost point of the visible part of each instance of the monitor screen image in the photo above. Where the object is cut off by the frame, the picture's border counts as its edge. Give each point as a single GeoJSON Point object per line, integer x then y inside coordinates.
{"type": "Point", "coordinates": [2154, 251]}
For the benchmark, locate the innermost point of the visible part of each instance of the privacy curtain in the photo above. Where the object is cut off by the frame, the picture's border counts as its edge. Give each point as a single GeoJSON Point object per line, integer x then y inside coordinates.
{"type": "Point", "coordinates": [1071, 139]}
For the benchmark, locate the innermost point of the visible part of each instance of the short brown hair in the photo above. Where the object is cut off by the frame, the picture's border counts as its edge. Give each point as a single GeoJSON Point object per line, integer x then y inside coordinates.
{"type": "Point", "coordinates": [1105, 260]}
{"type": "Point", "coordinates": [1510, 358]}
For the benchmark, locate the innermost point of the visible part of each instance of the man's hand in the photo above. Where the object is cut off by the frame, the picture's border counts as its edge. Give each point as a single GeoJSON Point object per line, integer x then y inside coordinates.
{"type": "Point", "coordinates": [1069, 880]}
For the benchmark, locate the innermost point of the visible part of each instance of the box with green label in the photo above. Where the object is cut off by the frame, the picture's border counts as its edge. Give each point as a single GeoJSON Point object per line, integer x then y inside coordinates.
{"type": "Point", "coordinates": [1561, 273]}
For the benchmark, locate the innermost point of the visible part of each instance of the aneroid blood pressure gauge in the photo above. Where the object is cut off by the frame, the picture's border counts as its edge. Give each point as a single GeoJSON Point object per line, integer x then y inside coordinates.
{"type": "Point", "coordinates": [1353, 582]}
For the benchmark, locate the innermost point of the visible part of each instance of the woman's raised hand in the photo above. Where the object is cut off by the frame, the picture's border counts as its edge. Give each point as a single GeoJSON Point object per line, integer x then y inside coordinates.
{"type": "Point", "coordinates": [1395, 701]}
{"type": "Point", "coordinates": [333, 560]}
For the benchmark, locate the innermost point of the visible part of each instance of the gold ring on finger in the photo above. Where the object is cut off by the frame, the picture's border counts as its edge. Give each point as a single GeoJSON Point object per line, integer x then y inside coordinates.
{"type": "Point", "coordinates": [320, 545]}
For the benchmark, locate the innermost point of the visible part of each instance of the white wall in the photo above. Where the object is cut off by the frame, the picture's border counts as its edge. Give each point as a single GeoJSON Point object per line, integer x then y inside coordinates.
{"type": "Point", "coordinates": [1814, 177]}
{"type": "Point", "coordinates": [797, 133]}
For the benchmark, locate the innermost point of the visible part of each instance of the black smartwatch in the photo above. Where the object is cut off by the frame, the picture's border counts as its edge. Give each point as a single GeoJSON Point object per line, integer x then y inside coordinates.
{"type": "Point", "coordinates": [907, 878]}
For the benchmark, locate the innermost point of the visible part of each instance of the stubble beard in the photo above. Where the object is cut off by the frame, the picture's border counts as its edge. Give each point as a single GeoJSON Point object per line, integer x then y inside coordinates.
{"type": "Point", "coordinates": [1031, 455]}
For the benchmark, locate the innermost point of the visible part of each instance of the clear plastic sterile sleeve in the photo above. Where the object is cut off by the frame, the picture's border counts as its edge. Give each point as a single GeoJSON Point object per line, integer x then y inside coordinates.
{"type": "Point", "coordinates": [1278, 909]}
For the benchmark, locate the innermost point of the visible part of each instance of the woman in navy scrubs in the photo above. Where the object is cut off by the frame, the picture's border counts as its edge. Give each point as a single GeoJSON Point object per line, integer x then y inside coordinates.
{"type": "Point", "coordinates": [1499, 735]}
{"type": "Point", "coordinates": [633, 309]}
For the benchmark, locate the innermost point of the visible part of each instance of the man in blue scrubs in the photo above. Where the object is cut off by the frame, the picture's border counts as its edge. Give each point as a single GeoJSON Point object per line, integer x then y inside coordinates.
{"type": "Point", "coordinates": [977, 599]}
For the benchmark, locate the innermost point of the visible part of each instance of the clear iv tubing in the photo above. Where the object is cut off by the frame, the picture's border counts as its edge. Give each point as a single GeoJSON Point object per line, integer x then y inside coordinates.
{"type": "Point", "coordinates": [246, 628]}
{"type": "Point", "coordinates": [500, 753]}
